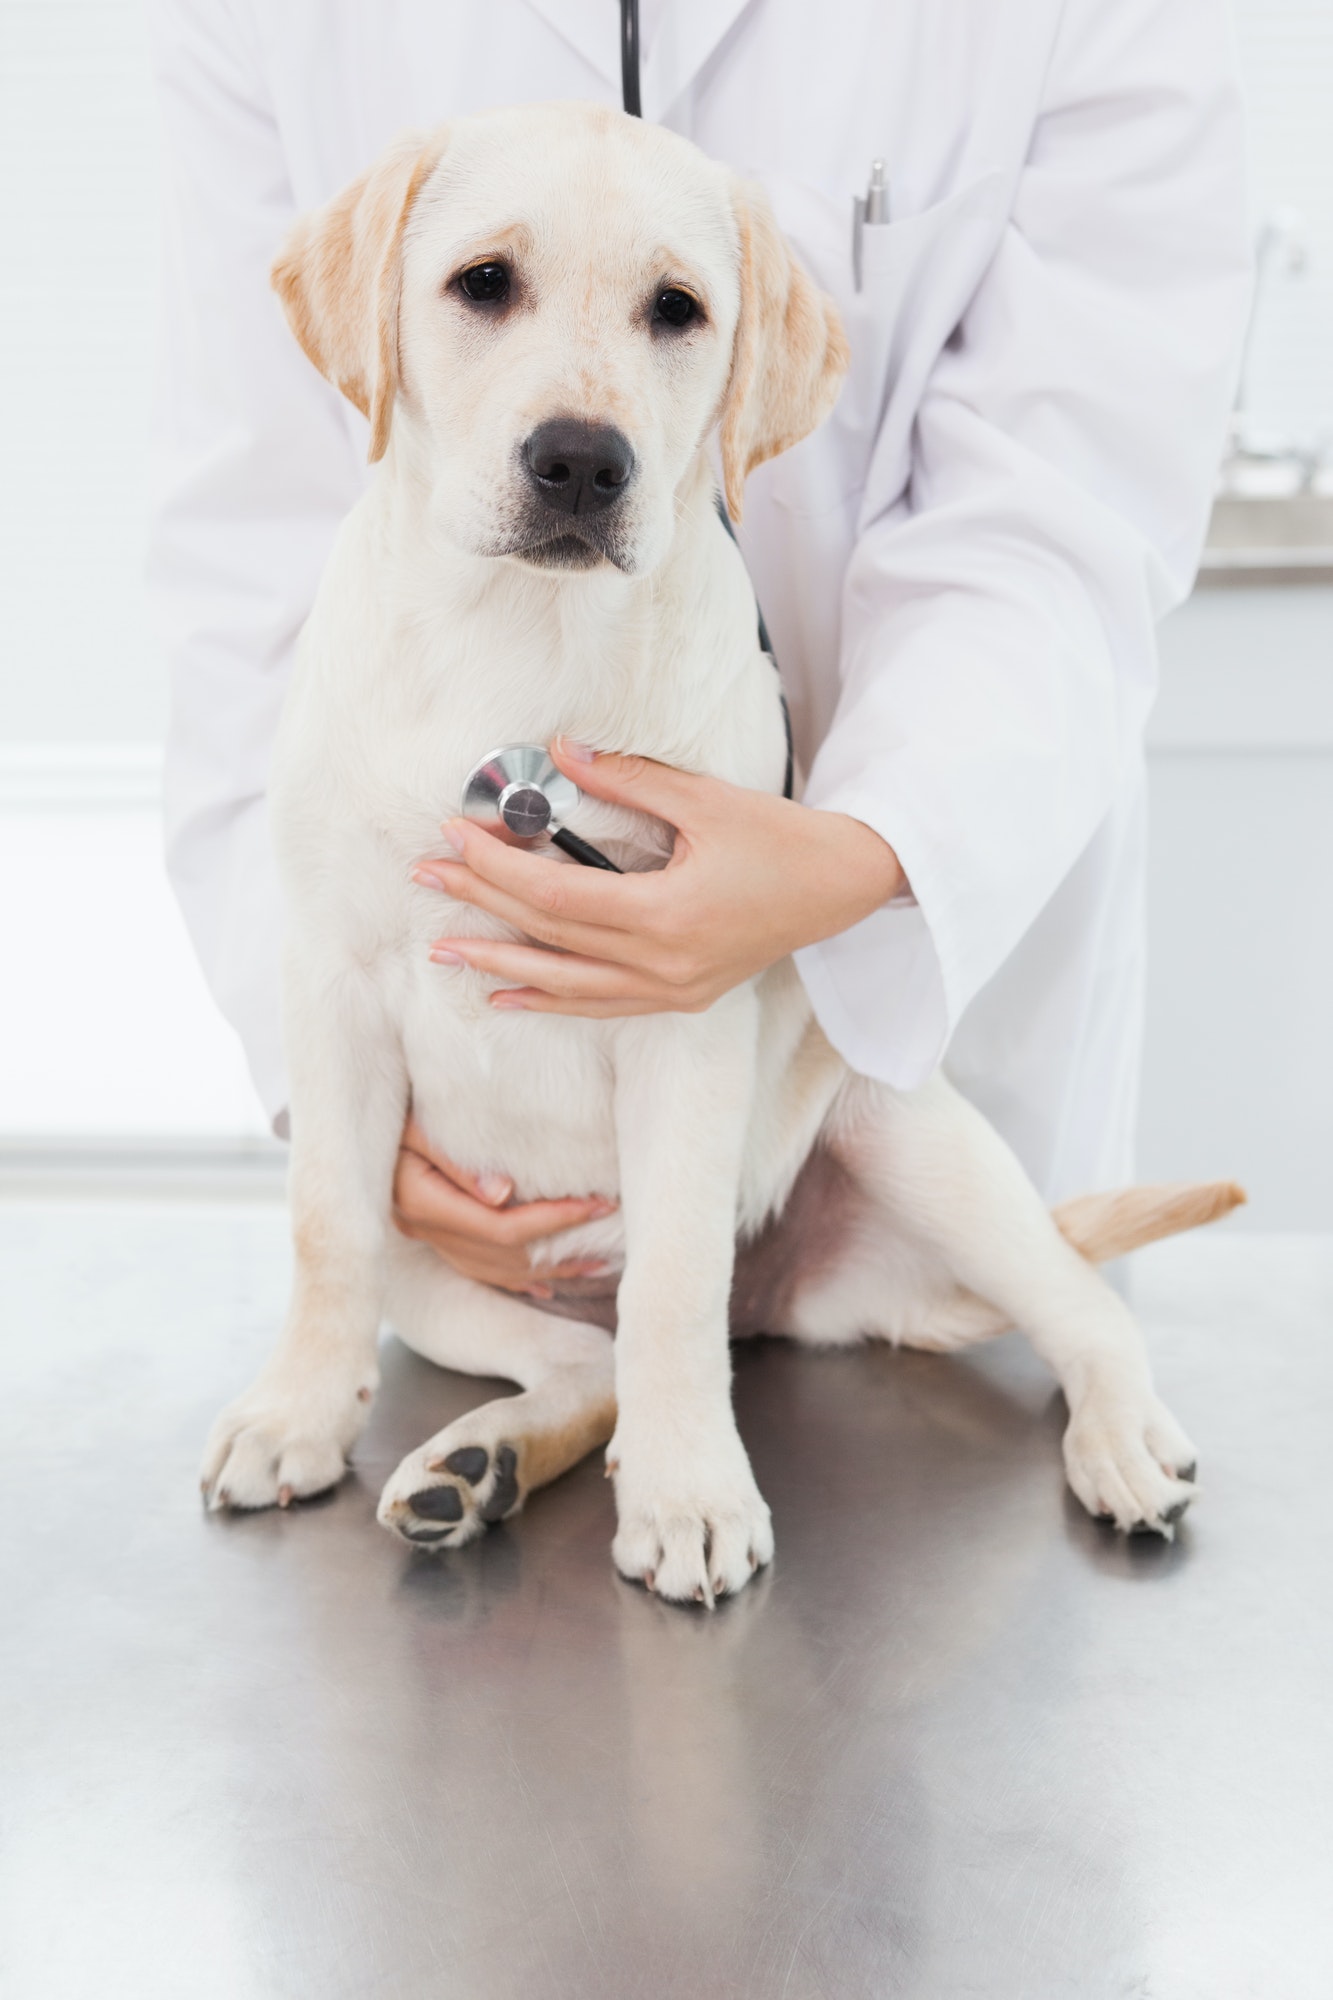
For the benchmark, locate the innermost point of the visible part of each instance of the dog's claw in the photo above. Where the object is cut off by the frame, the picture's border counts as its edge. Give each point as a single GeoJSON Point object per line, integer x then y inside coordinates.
{"type": "Point", "coordinates": [284, 1496]}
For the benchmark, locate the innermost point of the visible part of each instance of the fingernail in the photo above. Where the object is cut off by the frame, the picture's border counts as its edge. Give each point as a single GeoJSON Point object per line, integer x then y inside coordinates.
{"type": "Point", "coordinates": [452, 831]}
{"type": "Point", "coordinates": [602, 1206]}
{"type": "Point", "coordinates": [441, 955]}
{"type": "Point", "coordinates": [537, 1291]}
{"type": "Point", "coordinates": [513, 1003]}
{"type": "Point", "coordinates": [577, 753]}
{"type": "Point", "coordinates": [494, 1187]}
{"type": "Point", "coordinates": [425, 878]}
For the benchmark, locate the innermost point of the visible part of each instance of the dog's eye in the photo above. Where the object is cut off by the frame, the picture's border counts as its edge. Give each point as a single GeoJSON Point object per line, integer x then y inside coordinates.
{"type": "Point", "coordinates": [485, 283]}
{"type": "Point", "coordinates": [674, 308]}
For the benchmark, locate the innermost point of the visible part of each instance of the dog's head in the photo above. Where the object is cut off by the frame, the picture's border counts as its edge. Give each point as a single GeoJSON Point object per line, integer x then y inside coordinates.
{"type": "Point", "coordinates": [556, 305]}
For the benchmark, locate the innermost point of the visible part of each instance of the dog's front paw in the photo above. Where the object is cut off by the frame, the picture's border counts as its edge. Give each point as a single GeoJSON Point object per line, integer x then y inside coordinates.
{"type": "Point", "coordinates": [1129, 1461]}
{"type": "Point", "coordinates": [287, 1438]}
{"type": "Point", "coordinates": [692, 1525]}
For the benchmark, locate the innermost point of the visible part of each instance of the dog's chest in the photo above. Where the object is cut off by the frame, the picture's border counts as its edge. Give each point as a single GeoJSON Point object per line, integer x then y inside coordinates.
{"type": "Point", "coordinates": [527, 1095]}
{"type": "Point", "coordinates": [378, 740]}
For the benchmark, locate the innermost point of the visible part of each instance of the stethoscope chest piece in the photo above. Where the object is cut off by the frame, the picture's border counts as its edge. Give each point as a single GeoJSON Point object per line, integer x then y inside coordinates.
{"type": "Point", "coordinates": [518, 793]}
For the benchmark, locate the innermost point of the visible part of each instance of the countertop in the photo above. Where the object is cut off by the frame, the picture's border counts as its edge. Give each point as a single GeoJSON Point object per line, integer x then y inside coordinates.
{"type": "Point", "coordinates": [959, 1741]}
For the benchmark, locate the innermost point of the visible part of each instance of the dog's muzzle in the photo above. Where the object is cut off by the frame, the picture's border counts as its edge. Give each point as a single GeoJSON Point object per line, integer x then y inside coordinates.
{"type": "Point", "coordinates": [577, 475]}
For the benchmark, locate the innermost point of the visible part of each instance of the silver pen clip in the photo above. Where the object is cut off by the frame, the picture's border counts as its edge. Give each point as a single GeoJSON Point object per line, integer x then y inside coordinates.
{"type": "Point", "coordinates": [868, 209]}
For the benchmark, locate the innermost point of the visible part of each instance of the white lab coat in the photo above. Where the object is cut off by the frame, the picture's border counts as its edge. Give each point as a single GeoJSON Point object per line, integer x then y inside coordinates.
{"type": "Point", "coordinates": [961, 570]}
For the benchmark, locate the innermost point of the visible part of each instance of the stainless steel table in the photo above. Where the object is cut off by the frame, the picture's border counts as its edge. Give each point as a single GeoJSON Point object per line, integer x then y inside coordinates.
{"type": "Point", "coordinates": [960, 1741]}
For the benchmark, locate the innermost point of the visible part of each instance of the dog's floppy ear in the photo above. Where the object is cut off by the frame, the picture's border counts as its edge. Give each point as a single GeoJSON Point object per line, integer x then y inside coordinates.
{"type": "Point", "coordinates": [790, 353]}
{"type": "Point", "coordinates": [340, 272]}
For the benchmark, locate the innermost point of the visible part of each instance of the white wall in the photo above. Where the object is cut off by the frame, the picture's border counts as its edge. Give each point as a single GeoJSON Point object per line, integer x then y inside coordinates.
{"type": "Point", "coordinates": [1286, 54]}
{"type": "Point", "coordinates": [78, 239]}
{"type": "Point", "coordinates": [112, 1030]}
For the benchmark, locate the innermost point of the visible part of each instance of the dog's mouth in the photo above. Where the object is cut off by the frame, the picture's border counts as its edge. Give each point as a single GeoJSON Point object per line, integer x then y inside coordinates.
{"type": "Point", "coordinates": [563, 552]}
{"type": "Point", "coordinates": [567, 545]}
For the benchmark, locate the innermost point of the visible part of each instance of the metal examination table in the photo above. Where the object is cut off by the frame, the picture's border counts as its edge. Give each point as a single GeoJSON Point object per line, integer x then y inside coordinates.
{"type": "Point", "coordinates": [960, 1741]}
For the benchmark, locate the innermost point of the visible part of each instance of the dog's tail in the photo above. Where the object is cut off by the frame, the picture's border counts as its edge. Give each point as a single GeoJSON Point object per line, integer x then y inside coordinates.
{"type": "Point", "coordinates": [1102, 1226]}
{"type": "Point", "coordinates": [1099, 1226]}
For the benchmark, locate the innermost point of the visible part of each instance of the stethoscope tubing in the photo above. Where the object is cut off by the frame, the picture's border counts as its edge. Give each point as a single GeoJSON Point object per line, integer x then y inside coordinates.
{"type": "Point", "coordinates": [582, 850]}
{"type": "Point", "coordinates": [629, 58]}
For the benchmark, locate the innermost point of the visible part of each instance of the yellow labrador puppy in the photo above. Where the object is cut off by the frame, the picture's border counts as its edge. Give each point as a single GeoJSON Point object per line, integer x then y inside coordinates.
{"type": "Point", "coordinates": [546, 314]}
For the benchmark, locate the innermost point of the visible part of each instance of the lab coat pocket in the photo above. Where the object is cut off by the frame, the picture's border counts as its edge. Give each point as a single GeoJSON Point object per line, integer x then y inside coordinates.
{"type": "Point", "coordinates": [917, 276]}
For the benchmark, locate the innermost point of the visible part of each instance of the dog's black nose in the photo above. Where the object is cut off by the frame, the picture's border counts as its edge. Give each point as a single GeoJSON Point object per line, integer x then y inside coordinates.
{"type": "Point", "coordinates": [578, 467]}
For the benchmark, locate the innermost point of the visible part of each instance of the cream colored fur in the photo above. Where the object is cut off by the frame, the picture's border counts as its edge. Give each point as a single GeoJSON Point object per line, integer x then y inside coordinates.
{"type": "Point", "coordinates": [431, 642]}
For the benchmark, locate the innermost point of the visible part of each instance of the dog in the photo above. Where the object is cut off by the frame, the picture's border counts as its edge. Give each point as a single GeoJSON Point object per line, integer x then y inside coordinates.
{"type": "Point", "coordinates": [563, 279]}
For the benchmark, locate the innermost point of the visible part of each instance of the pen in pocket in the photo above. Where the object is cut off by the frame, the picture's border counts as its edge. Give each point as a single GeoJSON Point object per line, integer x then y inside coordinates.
{"type": "Point", "coordinates": [868, 210]}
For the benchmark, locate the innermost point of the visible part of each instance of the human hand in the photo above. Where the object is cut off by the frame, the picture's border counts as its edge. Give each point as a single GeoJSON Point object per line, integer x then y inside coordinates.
{"type": "Point", "coordinates": [470, 1220]}
{"type": "Point", "coordinates": [751, 878]}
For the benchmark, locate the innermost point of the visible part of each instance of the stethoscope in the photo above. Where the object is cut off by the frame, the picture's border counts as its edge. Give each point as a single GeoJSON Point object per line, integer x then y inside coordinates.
{"type": "Point", "coordinates": [517, 792]}
{"type": "Point", "coordinates": [520, 795]}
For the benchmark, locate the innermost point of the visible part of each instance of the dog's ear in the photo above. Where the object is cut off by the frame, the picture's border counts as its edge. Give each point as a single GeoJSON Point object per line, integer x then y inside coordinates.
{"type": "Point", "coordinates": [790, 353]}
{"type": "Point", "coordinates": [339, 275]}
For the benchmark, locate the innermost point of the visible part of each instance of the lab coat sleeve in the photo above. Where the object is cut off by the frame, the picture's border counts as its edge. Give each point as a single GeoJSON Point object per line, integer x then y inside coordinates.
{"type": "Point", "coordinates": [256, 466]}
{"type": "Point", "coordinates": [998, 651]}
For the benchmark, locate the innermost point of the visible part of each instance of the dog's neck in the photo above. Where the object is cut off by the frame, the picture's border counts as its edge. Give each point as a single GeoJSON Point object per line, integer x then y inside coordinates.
{"type": "Point", "coordinates": [473, 651]}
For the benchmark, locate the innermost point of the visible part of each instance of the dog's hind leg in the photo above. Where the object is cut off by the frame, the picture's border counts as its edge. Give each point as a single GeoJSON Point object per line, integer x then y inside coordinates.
{"type": "Point", "coordinates": [482, 1467]}
{"type": "Point", "coordinates": [963, 1247]}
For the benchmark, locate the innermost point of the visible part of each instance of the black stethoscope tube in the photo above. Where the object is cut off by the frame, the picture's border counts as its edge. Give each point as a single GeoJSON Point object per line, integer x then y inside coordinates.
{"type": "Point", "coordinates": [583, 850]}
{"type": "Point", "coordinates": [629, 57]}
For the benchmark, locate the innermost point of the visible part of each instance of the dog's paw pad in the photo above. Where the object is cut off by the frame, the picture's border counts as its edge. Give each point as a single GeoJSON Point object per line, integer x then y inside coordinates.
{"type": "Point", "coordinates": [469, 1462]}
{"type": "Point", "coordinates": [441, 1498]}
{"type": "Point", "coordinates": [504, 1492]}
{"type": "Point", "coordinates": [437, 1503]}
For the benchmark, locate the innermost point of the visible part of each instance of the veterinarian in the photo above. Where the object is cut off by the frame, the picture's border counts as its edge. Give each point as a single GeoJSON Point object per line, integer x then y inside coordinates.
{"type": "Point", "coordinates": [961, 571]}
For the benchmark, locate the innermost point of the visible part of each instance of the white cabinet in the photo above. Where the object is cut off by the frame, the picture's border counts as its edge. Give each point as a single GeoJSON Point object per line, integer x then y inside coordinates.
{"type": "Point", "coordinates": [1238, 1070]}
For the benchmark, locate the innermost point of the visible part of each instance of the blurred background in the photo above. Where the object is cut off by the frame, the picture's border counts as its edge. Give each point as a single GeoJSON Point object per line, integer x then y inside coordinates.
{"type": "Point", "coordinates": [112, 1059]}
